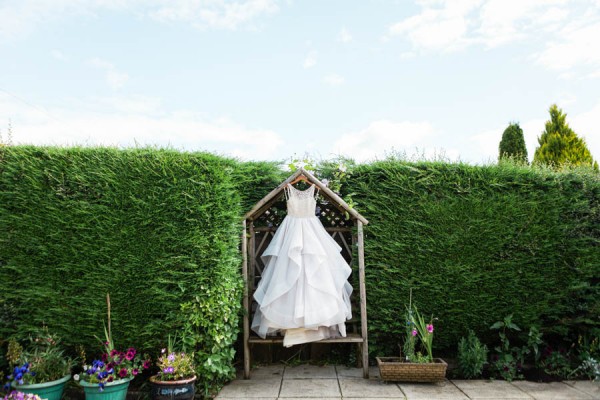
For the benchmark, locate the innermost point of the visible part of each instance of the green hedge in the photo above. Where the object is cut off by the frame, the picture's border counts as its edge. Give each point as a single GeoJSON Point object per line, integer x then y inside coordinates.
{"type": "Point", "coordinates": [158, 229]}
{"type": "Point", "coordinates": [476, 244]}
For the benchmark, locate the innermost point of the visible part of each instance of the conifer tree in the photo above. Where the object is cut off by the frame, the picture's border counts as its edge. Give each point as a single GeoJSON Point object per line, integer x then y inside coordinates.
{"type": "Point", "coordinates": [512, 144]}
{"type": "Point", "coordinates": [559, 145]}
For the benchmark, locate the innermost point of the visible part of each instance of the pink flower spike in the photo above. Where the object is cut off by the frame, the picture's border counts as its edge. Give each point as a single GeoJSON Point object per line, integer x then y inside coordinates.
{"type": "Point", "coordinates": [414, 332]}
{"type": "Point", "coordinates": [430, 328]}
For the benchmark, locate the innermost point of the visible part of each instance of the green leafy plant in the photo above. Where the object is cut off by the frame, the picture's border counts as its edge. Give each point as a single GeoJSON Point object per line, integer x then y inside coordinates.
{"type": "Point", "coordinates": [506, 361]}
{"type": "Point", "coordinates": [589, 367]}
{"type": "Point", "coordinates": [472, 356]}
{"type": "Point", "coordinates": [556, 363]}
{"type": "Point", "coordinates": [43, 360]}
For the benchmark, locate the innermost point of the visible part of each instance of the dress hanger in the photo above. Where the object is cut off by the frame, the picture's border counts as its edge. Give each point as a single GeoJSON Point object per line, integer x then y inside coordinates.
{"type": "Point", "coordinates": [300, 177]}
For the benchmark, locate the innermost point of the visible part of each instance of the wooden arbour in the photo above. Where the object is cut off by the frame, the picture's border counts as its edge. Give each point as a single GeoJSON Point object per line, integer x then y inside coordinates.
{"type": "Point", "coordinates": [254, 240]}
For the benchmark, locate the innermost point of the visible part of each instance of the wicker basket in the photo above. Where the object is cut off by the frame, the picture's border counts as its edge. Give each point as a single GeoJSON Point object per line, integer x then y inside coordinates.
{"type": "Point", "coordinates": [396, 369]}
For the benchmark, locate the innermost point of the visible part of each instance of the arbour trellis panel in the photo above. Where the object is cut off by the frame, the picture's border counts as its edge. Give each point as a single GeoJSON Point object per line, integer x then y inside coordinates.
{"type": "Point", "coordinates": [259, 226]}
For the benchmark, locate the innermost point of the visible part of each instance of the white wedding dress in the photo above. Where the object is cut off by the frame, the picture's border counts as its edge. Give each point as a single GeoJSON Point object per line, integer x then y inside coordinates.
{"type": "Point", "coordinates": [304, 291]}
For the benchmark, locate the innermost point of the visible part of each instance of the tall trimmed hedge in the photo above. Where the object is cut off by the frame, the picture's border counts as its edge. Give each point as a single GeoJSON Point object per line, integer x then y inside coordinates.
{"type": "Point", "coordinates": [158, 229]}
{"type": "Point", "coordinates": [476, 244]}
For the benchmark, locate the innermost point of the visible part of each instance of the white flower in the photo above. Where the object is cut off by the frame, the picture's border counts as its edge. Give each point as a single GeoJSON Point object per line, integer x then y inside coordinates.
{"type": "Point", "coordinates": [342, 167]}
{"type": "Point", "coordinates": [76, 377]}
{"type": "Point", "coordinates": [300, 164]}
{"type": "Point", "coordinates": [85, 367]}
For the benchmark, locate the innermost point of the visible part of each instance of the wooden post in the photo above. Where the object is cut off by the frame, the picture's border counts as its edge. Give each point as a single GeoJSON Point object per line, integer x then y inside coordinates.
{"type": "Point", "coordinates": [363, 299]}
{"type": "Point", "coordinates": [245, 303]}
{"type": "Point", "coordinates": [251, 264]}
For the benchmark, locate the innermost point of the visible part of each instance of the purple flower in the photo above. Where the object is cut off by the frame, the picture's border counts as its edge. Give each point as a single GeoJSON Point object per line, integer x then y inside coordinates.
{"type": "Point", "coordinates": [171, 357]}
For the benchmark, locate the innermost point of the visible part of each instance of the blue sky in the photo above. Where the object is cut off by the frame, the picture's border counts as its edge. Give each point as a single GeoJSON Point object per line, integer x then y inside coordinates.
{"type": "Point", "coordinates": [267, 79]}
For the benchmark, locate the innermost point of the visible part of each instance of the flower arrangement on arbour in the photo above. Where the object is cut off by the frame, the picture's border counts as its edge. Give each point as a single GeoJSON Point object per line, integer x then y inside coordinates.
{"type": "Point", "coordinates": [173, 364]}
{"type": "Point", "coordinates": [417, 328]}
{"type": "Point", "coordinates": [16, 395]}
{"type": "Point", "coordinates": [113, 365]}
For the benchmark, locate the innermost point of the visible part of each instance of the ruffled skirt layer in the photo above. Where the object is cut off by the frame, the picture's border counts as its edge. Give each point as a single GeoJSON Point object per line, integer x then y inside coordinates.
{"type": "Point", "coordinates": [304, 289]}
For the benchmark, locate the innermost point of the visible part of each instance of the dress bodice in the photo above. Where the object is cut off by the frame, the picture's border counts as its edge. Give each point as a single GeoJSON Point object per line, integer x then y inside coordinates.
{"type": "Point", "coordinates": [301, 203]}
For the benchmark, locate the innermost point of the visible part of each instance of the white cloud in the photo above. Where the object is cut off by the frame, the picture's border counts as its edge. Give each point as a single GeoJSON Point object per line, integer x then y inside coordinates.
{"type": "Point", "coordinates": [310, 60]}
{"type": "Point", "coordinates": [334, 80]}
{"type": "Point", "coordinates": [20, 18]}
{"type": "Point", "coordinates": [219, 14]}
{"type": "Point", "coordinates": [58, 55]}
{"type": "Point", "coordinates": [344, 36]}
{"type": "Point", "coordinates": [576, 46]}
{"type": "Point", "coordinates": [437, 28]}
{"type": "Point", "coordinates": [384, 136]}
{"type": "Point", "coordinates": [126, 122]}
{"type": "Point", "coordinates": [565, 31]}
{"type": "Point", "coordinates": [114, 78]}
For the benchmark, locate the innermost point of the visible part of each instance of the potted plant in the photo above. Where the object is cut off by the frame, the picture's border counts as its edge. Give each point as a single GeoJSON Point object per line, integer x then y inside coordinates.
{"type": "Point", "coordinates": [108, 378]}
{"type": "Point", "coordinates": [42, 368]}
{"type": "Point", "coordinates": [16, 395]}
{"type": "Point", "coordinates": [416, 365]}
{"type": "Point", "coordinates": [176, 376]}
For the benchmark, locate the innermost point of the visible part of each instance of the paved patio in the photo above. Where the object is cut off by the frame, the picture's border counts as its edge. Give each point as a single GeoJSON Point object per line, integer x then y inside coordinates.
{"type": "Point", "coordinates": [339, 382]}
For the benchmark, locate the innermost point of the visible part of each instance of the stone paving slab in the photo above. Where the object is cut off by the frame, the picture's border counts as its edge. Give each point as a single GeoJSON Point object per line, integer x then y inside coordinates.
{"type": "Point", "coordinates": [589, 387]}
{"type": "Point", "coordinates": [363, 388]}
{"type": "Point", "coordinates": [551, 391]}
{"type": "Point", "coordinates": [258, 388]}
{"type": "Point", "coordinates": [310, 372]}
{"type": "Point", "coordinates": [347, 372]}
{"type": "Point", "coordinates": [442, 390]}
{"type": "Point", "coordinates": [310, 388]}
{"type": "Point", "coordinates": [480, 389]}
{"type": "Point", "coordinates": [263, 372]}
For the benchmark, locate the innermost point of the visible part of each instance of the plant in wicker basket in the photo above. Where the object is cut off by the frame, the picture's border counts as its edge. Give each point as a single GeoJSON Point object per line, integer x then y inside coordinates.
{"type": "Point", "coordinates": [418, 364]}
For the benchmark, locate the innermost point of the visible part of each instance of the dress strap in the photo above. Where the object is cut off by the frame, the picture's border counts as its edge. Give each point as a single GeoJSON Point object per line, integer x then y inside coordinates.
{"type": "Point", "coordinates": [287, 191]}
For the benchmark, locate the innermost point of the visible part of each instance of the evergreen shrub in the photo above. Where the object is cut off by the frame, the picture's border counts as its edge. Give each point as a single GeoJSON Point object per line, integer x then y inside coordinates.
{"type": "Point", "coordinates": [476, 243]}
{"type": "Point", "coordinates": [158, 229]}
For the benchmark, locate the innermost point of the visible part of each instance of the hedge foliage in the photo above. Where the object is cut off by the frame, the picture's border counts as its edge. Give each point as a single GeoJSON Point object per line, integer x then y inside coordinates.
{"type": "Point", "coordinates": [158, 229]}
{"type": "Point", "coordinates": [476, 244]}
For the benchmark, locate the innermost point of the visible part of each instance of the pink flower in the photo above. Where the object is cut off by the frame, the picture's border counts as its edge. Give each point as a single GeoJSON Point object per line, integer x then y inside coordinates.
{"type": "Point", "coordinates": [146, 364]}
{"type": "Point", "coordinates": [430, 328]}
{"type": "Point", "coordinates": [114, 352]}
{"type": "Point", "coordinates": [123, 373]}
{"type": "Point", "coordinates": [414, 332]}
{"type": "Point", "coordinates": [135, 371]}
